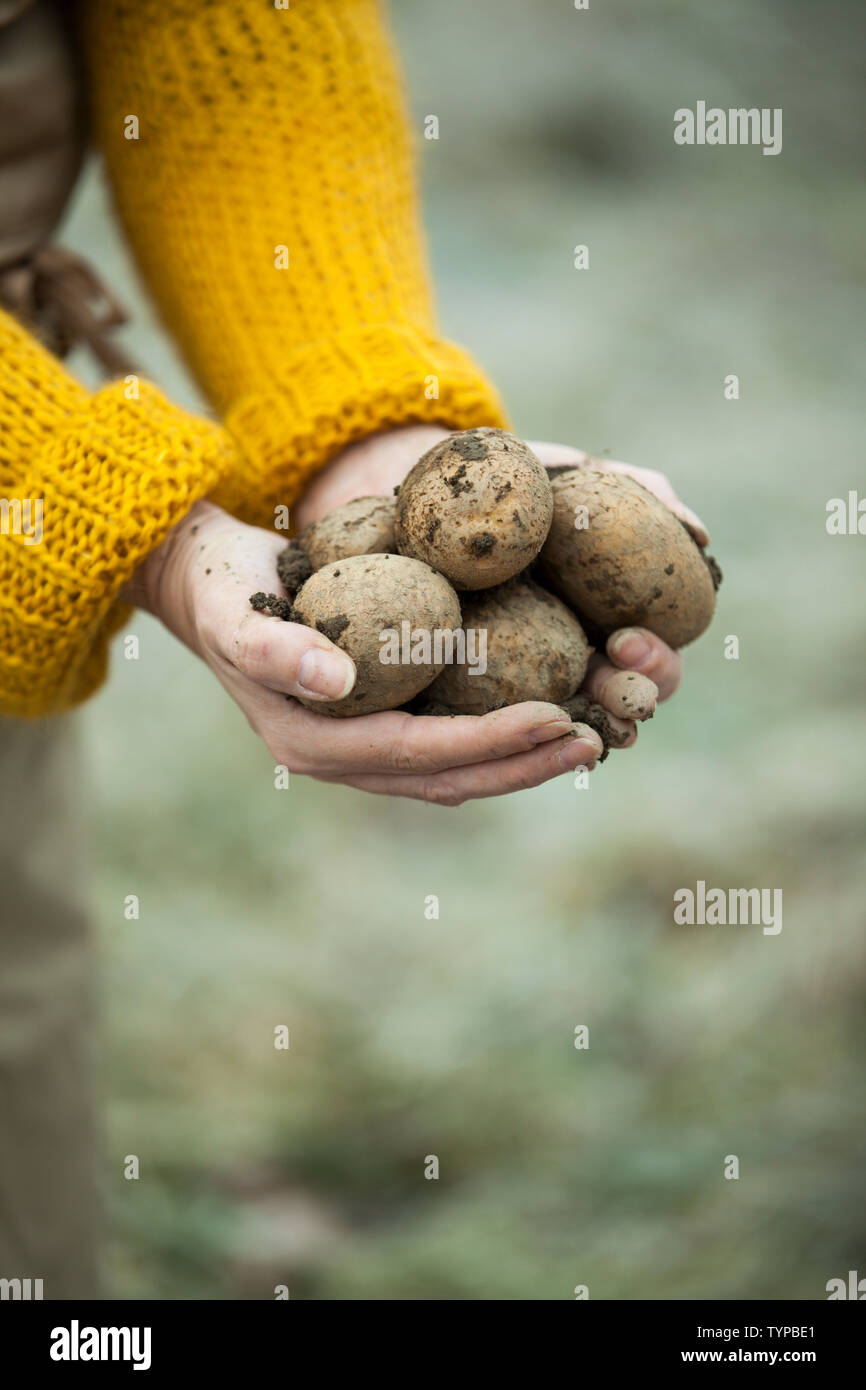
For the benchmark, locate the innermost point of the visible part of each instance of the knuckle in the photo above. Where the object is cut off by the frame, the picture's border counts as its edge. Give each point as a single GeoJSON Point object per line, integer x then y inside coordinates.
{"type": "Point", "coordinates": [441, 793]}
{"type": "Point", "coordinates": [403, 754]}
{"type": "Point", "coordinates": [523, 781]}
{"type": "Point", "coordinates": [401, 758]}
{"type": "Point", "coordinates": [285, 754]}
{"type": "Point", "coordinates": [251, 653]}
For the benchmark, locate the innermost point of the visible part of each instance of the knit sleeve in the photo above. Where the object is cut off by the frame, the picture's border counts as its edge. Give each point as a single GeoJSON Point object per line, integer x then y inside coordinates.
{"type": "Point", "coordinates": [260, 161]}
{"type": "Point", "coordinates": [89, 485]}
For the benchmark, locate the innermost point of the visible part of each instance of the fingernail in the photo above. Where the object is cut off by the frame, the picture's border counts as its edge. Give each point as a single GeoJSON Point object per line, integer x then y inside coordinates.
{"type": "Point", "coordinates": [555, 728]}
{"type": "Point", "coordinates": [577, 752]}
{"type": "Point", "coordinates": [325, 673]}
{"type": "Point", "coordinates": [630, 647]}
{"type": "Point", "coordinates": [581, 750]}
{"type": "Point", "coordinates": [585, 733]}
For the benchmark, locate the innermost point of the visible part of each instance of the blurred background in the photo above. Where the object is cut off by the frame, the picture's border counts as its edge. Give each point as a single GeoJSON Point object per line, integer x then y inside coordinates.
{"type": "Point", "coordinates": [305, 907]}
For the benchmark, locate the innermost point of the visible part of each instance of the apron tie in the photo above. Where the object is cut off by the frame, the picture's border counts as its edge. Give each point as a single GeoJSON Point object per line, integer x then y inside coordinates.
{"type": "Point", "coordinates": [62, 299]}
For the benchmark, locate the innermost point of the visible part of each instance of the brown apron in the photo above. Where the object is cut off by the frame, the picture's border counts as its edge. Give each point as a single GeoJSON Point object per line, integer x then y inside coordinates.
{"type": "Point", "coordinates": [54, 292]}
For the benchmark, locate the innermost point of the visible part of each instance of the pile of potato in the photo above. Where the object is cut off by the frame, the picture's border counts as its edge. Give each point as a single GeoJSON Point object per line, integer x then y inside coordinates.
{"type": "Point", "coordinates": [479, 534]}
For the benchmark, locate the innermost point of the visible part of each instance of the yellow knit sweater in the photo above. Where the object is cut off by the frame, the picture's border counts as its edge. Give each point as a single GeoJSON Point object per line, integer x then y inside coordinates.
{"type": "Point", "coordinates": [269, 200]}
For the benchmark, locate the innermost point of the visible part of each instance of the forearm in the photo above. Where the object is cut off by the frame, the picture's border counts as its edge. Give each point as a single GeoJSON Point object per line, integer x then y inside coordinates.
{"type": "Point", "coordinates": [101, 479]}
{"type": "Point", "coordinates": [262, 129]}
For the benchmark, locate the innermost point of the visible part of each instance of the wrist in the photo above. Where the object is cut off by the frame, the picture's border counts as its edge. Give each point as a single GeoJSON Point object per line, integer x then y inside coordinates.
{"type": "Point", "coordinates": [160, 584]}
{"type": "Point", "coordinates": [372, 466]}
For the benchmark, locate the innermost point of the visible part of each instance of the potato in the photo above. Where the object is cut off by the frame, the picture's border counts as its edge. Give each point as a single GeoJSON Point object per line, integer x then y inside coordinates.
{"type": "Point", "coordinates": [477, 507]}
{"type": "Point", "coordinates": [535, 650]}
{"type": "Point", "coordinates": [354, 601]}
{"type": "Point", "coordinates": [364, 526]}
{"type": "Point", "coordinates": [631, 563]}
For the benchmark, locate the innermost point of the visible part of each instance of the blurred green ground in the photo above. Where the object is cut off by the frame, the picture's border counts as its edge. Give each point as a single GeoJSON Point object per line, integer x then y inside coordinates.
{"type": "Point", "coordinates": [306, 907]}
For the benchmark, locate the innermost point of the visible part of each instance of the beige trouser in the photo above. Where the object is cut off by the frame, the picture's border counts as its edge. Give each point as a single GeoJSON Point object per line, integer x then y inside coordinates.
{"type": "Point", "coordinates": [49, 1206]}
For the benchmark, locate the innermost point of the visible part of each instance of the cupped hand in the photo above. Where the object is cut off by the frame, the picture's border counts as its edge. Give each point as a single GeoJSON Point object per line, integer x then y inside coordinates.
{"type": "Point", "coordinates": [632, 648]}
{"type": "Point", "coordinates": [199, 584]}
{"type": "Point", "coordinates": [376, 465]}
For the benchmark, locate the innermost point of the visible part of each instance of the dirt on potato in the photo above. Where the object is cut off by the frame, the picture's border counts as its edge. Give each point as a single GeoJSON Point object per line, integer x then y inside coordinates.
{"type": "Point", "coordinates": [476, 507]}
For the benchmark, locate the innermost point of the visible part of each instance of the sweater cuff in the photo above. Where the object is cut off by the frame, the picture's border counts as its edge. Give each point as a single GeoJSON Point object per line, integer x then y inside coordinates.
{"type": "Point", "coordinates": [341, 390]}
{"type": "Point", "coordinates": [108, 486]}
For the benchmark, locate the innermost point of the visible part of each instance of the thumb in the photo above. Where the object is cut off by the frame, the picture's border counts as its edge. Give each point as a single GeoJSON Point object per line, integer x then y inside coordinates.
{"type": "Point", "coordinates": [229, 567]}
{"type": "Point", "coordinates": [288, 657]}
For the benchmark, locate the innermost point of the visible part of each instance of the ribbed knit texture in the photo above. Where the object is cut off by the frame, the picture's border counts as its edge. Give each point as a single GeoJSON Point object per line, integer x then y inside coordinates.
{"type": "Point", "coordinates": [112, 476]}
{"type": "Point", "coordinates": [259, 128]}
